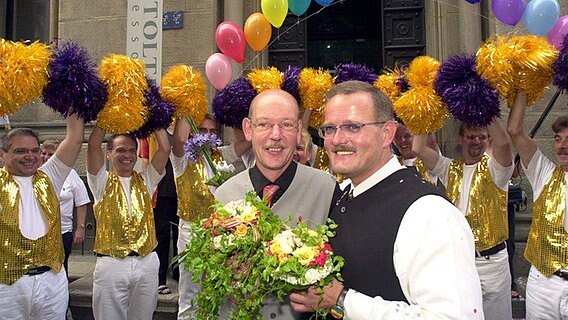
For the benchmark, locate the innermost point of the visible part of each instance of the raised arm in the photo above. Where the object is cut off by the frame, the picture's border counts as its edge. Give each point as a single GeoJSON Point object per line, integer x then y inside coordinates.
{"type": "Point", "coordinates": [241, 144]}
{"type": "Point", "coordinates": [181, 133]}
{"type": "Point", "coordinates": [160, 159]}
{"type": "Point", "coordinates": [525, 146]}
{"type": "Point", "coordinates": [501, 142]}
{"type": "Point", "coordinates": [428, 155]}
{"type": "Point", "coordinates": [95, 155]}
{"type": "Point", "coordinates": [69, 149]}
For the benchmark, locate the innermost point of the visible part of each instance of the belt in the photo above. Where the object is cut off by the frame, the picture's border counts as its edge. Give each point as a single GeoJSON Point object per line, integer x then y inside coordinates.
{"type": "Point", "coordinates": [131, 254]}
{"type": "Point", "coordinates": [37, 270]}
{"type": "Point", "coordinates": [490, 251]}
{"type": "Point", "coordinates": [562, 274]}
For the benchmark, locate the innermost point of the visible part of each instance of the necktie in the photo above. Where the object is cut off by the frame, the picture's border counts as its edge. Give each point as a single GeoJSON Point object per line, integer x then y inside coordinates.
{"type": "Point", "coordinates": [268, 192]}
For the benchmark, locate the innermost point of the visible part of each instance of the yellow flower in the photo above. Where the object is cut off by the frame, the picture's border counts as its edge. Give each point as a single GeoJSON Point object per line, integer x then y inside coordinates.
{"type": "Point", "coordinates": [241, 230]}
{"type": "Point", "coordinates": [276, 250]}
{"type": "Point", "coordinates": [305, 255]}
{"type": "Point", "coordinates": [248, 214]}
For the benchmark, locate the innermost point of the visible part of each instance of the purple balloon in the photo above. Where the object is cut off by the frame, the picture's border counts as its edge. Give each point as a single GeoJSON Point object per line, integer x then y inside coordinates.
{"type": "Point", "coordinates": [508, 11]}
{"type": "Point", "coordinates": [473, 1]}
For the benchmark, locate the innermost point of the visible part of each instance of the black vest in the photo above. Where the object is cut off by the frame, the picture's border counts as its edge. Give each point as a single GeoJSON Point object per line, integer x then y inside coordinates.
{"type": "Point", "coordinates": [368, 226]}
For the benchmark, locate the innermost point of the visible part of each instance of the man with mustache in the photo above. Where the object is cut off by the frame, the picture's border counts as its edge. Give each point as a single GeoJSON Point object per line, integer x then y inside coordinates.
{"type": "Point", "coordinates": [547, 245]}
{"type": "Point", "coordinates": [407, 249]}
{"type": "Point", "coordinates": [478, 185]}
{"type": "Point", "coordinates": [274, 128]}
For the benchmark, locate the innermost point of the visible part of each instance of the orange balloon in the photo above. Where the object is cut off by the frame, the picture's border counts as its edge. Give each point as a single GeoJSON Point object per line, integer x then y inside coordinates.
{"type": "Point", "coordinates": [257, 31]}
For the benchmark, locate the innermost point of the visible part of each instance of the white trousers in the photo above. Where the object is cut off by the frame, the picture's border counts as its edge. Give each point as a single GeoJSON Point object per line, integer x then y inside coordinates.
{"type": "Point", "coordinates": [125, 289]}
{"type": "Point", "coordinates": [495, 280]}
{"type": "Point", "coordinates": [547, 298]}
{"type": "Point", "coordinates": [187, 288]}
{"type": "Point", "coordinates": [40, 297]}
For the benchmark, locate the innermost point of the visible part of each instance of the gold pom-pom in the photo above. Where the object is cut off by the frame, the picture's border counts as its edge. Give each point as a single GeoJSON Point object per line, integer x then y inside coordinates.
{"type": "Point", "coordinates": [23, 73]}
{"type": "Point", "coordinates": [126, 82]}
{"type": "Point", "coordinates": [388, 83]}
{"type": "Point", "coordinates": [493, 63]}
{"type": "Point", "coordinates": [185, 88]}
{"type": "Point", "coordinates": [532, 58]}
{"type": "Point", "coordinates": [422, 72]}
{"type": "Point", "coordinates": [263, 79]}
{"type": "Point", "coordinates": [421, 110]}
{"type": "Point", "coordinates": [313, 85]}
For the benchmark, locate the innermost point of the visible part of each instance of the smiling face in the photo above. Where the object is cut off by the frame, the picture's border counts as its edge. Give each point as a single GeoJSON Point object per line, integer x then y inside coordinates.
{"type": "Point", "coordinates": [474, 142]}
{"type": "Point", "coordinates": [122, 156]}
{"type": "Point", "coordinates": [273, 127]}
{"type": "Point", "coordinates": [403, 142]}
{"type": "Point", "coordinates": [23, 155]}
{"type": "Point", "coordinates": [561, 148]}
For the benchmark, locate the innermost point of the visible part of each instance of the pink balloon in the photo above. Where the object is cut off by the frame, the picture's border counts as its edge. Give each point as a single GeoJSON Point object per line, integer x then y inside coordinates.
{"type": "Point", "coordinates": [218, 70]}
{"type": "Point", "coordinates": [558, 31]}
{"type": "Point", "coordinates": [230, 39]}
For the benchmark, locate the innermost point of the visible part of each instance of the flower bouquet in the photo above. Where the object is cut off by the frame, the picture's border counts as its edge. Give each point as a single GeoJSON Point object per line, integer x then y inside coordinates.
{"type": "Point", "coordinates": [226, 257]}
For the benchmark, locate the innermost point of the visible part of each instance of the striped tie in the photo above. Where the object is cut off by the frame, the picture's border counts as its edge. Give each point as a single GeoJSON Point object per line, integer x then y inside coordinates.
{"type": "Point", "coordinates": [268, 193]}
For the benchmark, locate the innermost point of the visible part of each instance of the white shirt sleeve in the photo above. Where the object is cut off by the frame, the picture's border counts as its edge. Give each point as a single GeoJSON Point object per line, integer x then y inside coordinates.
{"type": "Point", "coordinates": [442, 169]}
{"type": "Point", "coordinates": [178, 164]}
{"type": "Point", "coordinates": [80, 194]}
{"type": "Point", "coordinates": [229, 153]}
{"type": "Point", "coordinates": [500, 175]}
{"type": "Point", "coordinates": [151, 178]}
{"type": "Point", "coordinates": [434, 261]}
{"type": "Point", "coordinates": [97, 183]}
{"type": "Point", "coordinates": [538, 172]}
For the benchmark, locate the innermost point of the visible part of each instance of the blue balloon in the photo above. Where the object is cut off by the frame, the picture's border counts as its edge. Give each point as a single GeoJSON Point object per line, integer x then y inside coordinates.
{"type": "Point", "coordinates": [324, 2]}
{"type": "Point", "coordinates": [473, 1]}
{"type": "Point", "coordinates": [541, 15]}
{"type": "Point", "coordinates": [299, 7]}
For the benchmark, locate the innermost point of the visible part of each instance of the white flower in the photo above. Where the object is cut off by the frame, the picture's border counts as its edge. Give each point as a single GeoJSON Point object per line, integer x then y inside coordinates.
{"type": "Point", "coordinates": [223, 166]}
{"type": "Point", "coordinates": [223, 240]}
{"type": "Point", "coordinates": [286, 240]}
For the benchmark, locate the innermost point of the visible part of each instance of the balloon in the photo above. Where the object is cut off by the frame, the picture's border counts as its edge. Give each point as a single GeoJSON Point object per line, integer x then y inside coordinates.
{"type": "Point", "coordinates": [257, 31]}
{"type": "Point", "coordinates": [275, 11]}
{"type": "Point", "coordinates": [299, 7]}
{"type": "Point", "coordinates": [473, 1]}
{"type": "Point", "coordinates": [230, 39]}
{"type": "Point", "coordinates": [218, 70]}
{"type": "Point", "coordinates": [541, 15]}
{"type": "Point", "coordinates": [508, 11]}
{"type": "Point", "coordinates": [558, 31]}
{"type": "Point", "coordinates": [324, 2]}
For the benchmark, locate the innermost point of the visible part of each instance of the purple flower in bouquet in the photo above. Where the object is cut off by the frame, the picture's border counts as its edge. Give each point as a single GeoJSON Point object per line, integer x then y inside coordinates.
{"type": "Point", "coordinates": [195, 146]}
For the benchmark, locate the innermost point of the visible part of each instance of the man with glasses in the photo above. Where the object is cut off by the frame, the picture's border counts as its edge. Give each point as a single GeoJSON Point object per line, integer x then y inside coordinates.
{"type": "Point", "coordinates": [274, 128]}
{"type": "Point", "coordinates": [407, 249]}
{"type": "Point", "coordinates": [478, 186]}
{"type": "Point", "coordinates": [33, 284]}
{"type": "Point", "coordinates": [194, 197]}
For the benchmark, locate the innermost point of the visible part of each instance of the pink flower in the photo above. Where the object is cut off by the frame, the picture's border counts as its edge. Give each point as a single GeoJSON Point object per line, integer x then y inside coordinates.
{"type": "Point", "coordinates": [320, 259]}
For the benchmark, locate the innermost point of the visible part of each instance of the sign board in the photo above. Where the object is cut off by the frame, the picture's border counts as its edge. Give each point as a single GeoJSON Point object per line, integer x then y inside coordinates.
{"type": "Point", "coordinates": [173, 20]}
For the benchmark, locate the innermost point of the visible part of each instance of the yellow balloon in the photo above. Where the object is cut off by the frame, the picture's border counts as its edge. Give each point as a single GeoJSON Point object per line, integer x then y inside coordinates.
{"type": "Point", "coordinates": [275, 11]}
{"type": "Point", "coordinates": [257, 31]}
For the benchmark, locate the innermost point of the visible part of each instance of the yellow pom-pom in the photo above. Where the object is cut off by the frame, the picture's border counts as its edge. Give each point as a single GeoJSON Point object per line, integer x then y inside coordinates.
{"type": "Point", "coordinates": [422, 72]}
{"type": "Point", "coordinates": [493, 63]}
{"type": "Point", "coordinates": [23, 73]}
{"type": "Point", "coordinates": [313, 85]}
{"type": "Point", "coordinates": [263, 79]}
{"type": "Point", "coordinates": [532, 58]}
{"type": "Point", "coordinates": [185, 88]}
{"type": "Point", "coordinates": [387, 83]}
{"type": "Point", "coordinates": [421, 110]}
{"type": "Point", "coordinates": [126, 82]}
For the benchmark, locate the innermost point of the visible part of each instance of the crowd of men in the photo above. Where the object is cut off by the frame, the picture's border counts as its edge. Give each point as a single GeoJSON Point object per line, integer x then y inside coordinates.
{"type": "Point", "coordinates": [423, 235]}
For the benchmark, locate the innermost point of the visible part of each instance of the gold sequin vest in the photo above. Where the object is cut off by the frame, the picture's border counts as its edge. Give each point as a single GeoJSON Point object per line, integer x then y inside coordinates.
{"type": "Point", "coordinates": [17, 253]}
{"type": "Point", "coordinates": [487, 211]}
{"type": "Point", "coordinates": [419, 165]}
{"type": "Point", "coordinates": [547, 244]}
{"type": "Point", "coordinates": [118, 231]}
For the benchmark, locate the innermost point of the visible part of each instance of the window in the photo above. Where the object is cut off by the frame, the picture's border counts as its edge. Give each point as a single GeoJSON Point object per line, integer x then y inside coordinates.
{"type": "Point", "coordinates": [22, 20]}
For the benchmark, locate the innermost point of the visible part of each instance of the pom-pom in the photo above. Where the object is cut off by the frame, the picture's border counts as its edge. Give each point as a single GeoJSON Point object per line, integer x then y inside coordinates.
{"type": "Point", "coordinates": [392, 83]}
{"type": "Point", "coordinates": [313, 86]}
{"type": "Point", "coordinates": [185, 88]}
{"type": "Point", "coordinates": [290, 82]}
{"type": "Point", "coordinates": [421, 110]}
{"type": "Point", "coordinates": [263, 79]}
{"type": "Point", "coordinates": [532, 59]}
{"type": "Point", "coordinates": [350, 71]}
{"type": "Point", "coordinates": [160, 112]}
{"type": "Point", "coordinates": [561, 67]}
{"type": "Point", "coordinates": [126, 82]}
{"type": "Point", "coordinates": [23, 73]}
{"type": "Point", "coordinates": [469, 98]}
{"type": "Point", "coordinates": [494, 65]}
{"type": "Point", "coordinates": [422, 72]}
{"type": "Point", "coordinates": [231, 105]}
{"type": "Point", "coordinates": [74, 83]}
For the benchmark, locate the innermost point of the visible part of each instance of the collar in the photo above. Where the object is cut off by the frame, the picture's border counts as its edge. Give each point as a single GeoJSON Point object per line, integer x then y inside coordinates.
{"type": "Point", "coordinates": [259, 181]}
{"type": "Point", "coordinates": [389, 168]}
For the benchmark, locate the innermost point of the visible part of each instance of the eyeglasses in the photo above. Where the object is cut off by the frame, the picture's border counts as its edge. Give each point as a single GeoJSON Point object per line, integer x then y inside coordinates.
{"type": "Point", "coordinates": [208, 131]}
{"type": "Point", "coordinates": [349, 130]}
{"type": "Point", "coordinates": [472, 137]}
{"type": "Point", "coordinates": [22, 151]}
{"type": "Point", "coordinates": [265, 126]}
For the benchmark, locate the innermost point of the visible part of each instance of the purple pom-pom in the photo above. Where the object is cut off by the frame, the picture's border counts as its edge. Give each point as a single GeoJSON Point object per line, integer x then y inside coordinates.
{"type": "Point", "coordinates": [350, 71]}
{"type": "Point", "coordinates": [402, 84]}
{"type": "Point", "coordinates": [560, 67]}
{"type": "Point", "coordinates": [160, 112]}
{"type": "Point", "coordinates": [290, 83]}
{"type": "Point", "coordinates": [469, 97]}
{"type": "Point", "coordinates": [73, 83]}
{"type": "Point", "coordinates": [231, 105]}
